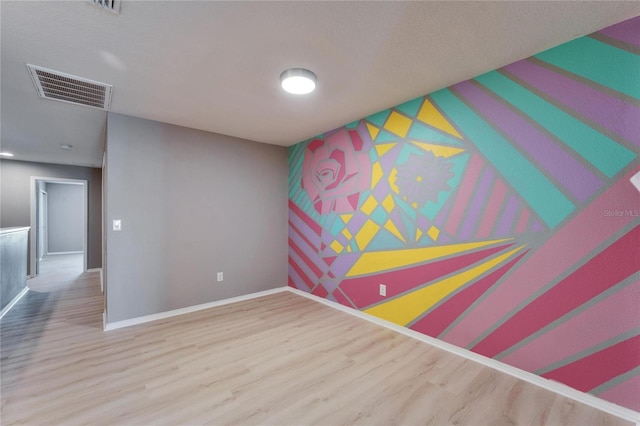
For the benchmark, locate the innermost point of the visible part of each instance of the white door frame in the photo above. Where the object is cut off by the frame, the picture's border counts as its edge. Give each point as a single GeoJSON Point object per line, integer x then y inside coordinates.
{"type": "Point", "coordinates": [41, 222]}
{"type": "Point", "coordinates": [32, 235]}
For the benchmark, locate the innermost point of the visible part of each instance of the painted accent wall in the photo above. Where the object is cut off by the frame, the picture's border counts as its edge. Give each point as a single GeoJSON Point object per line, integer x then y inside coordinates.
{"type": "Point", "coordinates": [498, 212]}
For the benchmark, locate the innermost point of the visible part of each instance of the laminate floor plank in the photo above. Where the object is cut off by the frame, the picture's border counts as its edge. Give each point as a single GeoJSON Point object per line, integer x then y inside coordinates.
{"type": "Point", "coordinates": [280, 360]}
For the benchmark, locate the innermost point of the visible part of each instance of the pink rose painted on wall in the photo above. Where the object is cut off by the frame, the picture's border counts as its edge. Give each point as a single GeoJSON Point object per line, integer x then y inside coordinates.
{"type": "Point", "coordinates": [335, 171]}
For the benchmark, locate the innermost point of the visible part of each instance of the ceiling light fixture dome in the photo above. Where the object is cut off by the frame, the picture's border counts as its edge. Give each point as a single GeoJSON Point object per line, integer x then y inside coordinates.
{"type": "Point", "coordinates": [298, 81]}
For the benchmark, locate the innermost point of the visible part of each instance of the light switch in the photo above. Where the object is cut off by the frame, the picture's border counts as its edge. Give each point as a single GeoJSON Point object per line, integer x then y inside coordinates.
{"type": "Point", "coordinates": [117, 225]}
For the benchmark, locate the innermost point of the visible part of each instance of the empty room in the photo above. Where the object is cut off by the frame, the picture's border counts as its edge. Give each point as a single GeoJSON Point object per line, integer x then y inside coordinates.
{"type": "Point", "coordinates": [320, 212]}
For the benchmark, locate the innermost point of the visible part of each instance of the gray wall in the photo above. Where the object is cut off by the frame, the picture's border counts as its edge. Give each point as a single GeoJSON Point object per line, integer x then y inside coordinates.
{"type": "Point", "coordinates": [65, 214]}
{"type": "Point", "coordinates": [15, 204]}
{"type": "Point", "coordinates": [192, 204]}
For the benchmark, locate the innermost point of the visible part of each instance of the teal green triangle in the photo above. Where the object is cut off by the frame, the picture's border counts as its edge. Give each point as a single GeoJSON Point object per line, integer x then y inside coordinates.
{"type": "Point", "coordinates": [336, 227]}
{"type": "Point", "coordinates": [379, 216]}
{"type": "Point", "coordinates": [379, 118]}
{"type": "Point", "coordinates": [353, 124]}
{"type": "Point", "coordinates": [423, 133]}
{"type": "Point", "coordinates": [386, 137]}
{"type": "Point", "coordinates": [431, 209]}
{"type": "Point", "coordinates": [411, 108]}
{"type": "Point", "coordinates": [410, 224]}
{"type": "Point", "coordinates": [385, 240]}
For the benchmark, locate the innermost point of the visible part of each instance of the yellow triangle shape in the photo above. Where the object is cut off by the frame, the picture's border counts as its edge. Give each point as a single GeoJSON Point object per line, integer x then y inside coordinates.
{"type": "Point", "coordinates": [377, 261]}
{"type": "Point", "coordinates": [439, 150]}
{"type": "Point", "coordinates": [373, 131]}
{"type": "Point", "coordinates": [391, 227]}
{"type": "Point", "coordinates": [383, 148]}
{"type": "Point", "coordinates": [404, 309]}
{"type": "Point", "coordinates": [430, 115]}
{"type": "Point", "coordinates": [346, 217]}
{"type": "Point", "coordinates": [376, 174]}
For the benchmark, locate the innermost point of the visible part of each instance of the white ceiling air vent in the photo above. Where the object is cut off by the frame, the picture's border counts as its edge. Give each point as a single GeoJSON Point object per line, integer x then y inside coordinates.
{"type": "Point", "coordinates": [110, 5]}
{"type": "Point", "coordinates": [63, 87]}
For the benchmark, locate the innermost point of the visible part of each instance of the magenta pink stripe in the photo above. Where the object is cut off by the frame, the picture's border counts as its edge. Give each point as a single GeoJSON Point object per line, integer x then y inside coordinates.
{"type": "Point", "coordinates": [523, 221]}
{"type": "Point", "coordinates": [626, 393]}
{"type": "Point", "coordinates": [492, 209]}
{"type": "Point", "coordinates": [364, 290]}
{"type": "Point", "coordinates": [300, 273]}
{"type": "Point", "coordinates": [612, 317]}
{"type": "Point", "coordinates": [464, 194]}
{"type": "Point", "coordinates": [303, 256]}
{"type": "Point", "coordinates": [292, 227]}
{"type": "Point", "coordinates": [305, 218]}
{"type": "Point", "coordinates": [615, 263]}
{"type": "Point", "coordinates": [341, 298]}
{"type": "Point", "coordinates": [291, 283]}
{"type": "Point", "coordinates": [595, 369]}
{"type": "Point", "coordinates": [583, 234]}
{"type": "Point", "coordinates": [440, 318]}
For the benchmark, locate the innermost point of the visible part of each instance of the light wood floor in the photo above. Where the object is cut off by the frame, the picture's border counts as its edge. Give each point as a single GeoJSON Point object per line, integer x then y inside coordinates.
{"type": "Point", "coordinates": [281, 360]}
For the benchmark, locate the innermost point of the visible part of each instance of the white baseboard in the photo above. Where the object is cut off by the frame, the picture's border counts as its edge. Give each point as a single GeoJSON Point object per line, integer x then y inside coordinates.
{"type": "Point", "coordinates": [556, 387]}
{"type": "Point", "coordinates": [15, 300]}
{"type": "Point", "coordinates": [189, 309]}
{"type": "Point", "coordinates": [559, 388]}
{"type": "Point", "coordinates": [56, 253]}
{"type": "Point", "coordinates": [94, 270]}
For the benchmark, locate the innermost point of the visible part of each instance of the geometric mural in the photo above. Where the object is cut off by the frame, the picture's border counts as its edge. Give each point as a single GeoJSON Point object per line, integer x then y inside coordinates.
{"type": "Point", "coordinates": [498, 212]}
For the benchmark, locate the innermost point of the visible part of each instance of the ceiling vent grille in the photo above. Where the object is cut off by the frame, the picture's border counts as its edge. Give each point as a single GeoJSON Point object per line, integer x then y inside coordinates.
{"type": "Point", "coordinates": [110, 5]}
{"type": "Point", "coordinates": [63, 87]}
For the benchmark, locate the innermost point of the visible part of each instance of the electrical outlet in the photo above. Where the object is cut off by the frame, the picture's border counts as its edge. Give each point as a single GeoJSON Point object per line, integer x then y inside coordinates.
{"type": "Point", "coordinates": [219, 276]}
{"type": "Point", "coordinates": [383, 290]}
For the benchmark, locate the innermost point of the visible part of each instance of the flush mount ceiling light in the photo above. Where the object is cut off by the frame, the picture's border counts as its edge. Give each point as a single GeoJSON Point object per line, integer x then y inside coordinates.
{"type": "Point", "coordinates": [298, 81]}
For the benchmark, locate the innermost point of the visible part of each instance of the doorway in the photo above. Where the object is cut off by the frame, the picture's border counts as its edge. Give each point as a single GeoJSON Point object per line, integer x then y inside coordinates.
{"type": "Point", "coordinates": [41, 231]}
{"type": "Point", "coordinates": [59, 214]}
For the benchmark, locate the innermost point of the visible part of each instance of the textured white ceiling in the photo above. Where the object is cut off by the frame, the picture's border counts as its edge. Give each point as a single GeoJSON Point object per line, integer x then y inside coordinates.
{"type": "Point", "coordinates": [215, 65]}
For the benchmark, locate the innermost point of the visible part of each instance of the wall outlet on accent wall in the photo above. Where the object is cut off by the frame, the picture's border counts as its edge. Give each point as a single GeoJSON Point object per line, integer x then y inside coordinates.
{"type": "Point", "coordinates": [219, 276]}
{"type": "Point", "coordinates": [383, 290]}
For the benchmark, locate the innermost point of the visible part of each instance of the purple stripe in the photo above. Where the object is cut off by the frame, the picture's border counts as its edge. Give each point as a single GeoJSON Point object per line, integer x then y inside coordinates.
{"type": "Point", "coordinates": [357, 222]}
{"type": "Point", "coordinates": [303, 228]}
{"type": "Point", "coordinates": [396, 216]}
{"type": "Point", "coordinates": [508, 216]}
{"type": "Point", "coordinates": [311, 254]}
{"type": "Point", "coordinates": [572, 175]}
{"type": "Point", "coordinates": [299, 282]}
{"type": "Point", "coordinates": [537, 226]}
{"type": "Point", "coordinates": [616, 115]}
{"type": "Point", "coordinates": [343, 264]}
{"type": "Point", "coordinates": [330, 285]}
{"type": "Point", "coordinates": [626, 31]}
{"type": "Point", "coordinates": [444, 213]}
{"type": "Point", "coordinates": [302, 265]}
{"type": "Point", "coordinates": [477, 204]}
